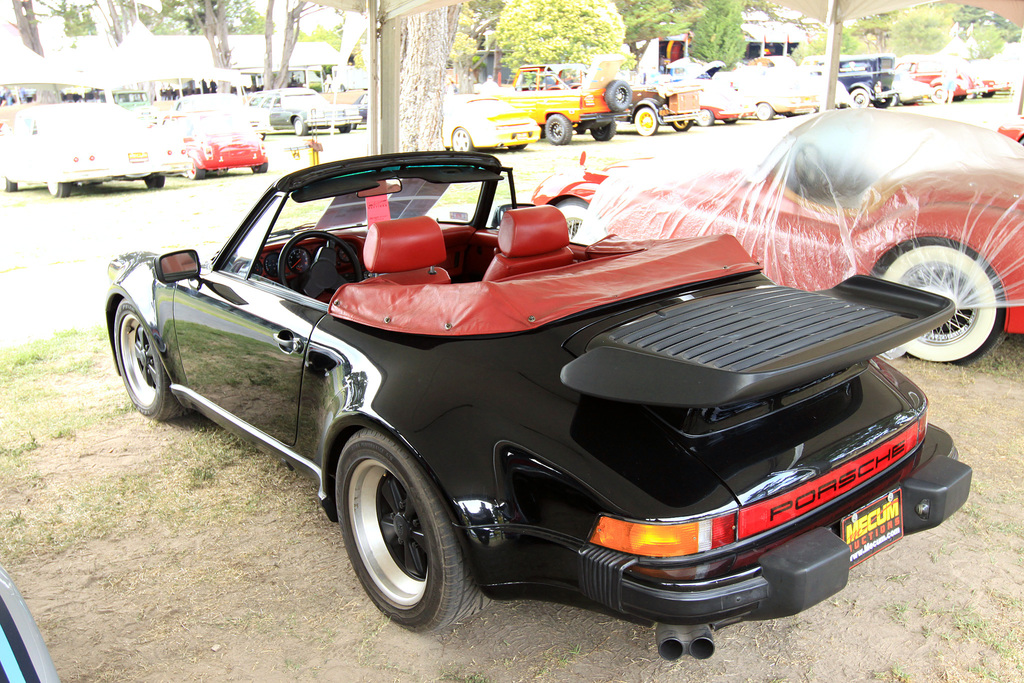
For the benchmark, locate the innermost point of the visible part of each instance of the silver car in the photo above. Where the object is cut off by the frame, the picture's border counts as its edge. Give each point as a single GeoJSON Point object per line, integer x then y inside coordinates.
{"type": "Point", "coordinates": [302, 109]}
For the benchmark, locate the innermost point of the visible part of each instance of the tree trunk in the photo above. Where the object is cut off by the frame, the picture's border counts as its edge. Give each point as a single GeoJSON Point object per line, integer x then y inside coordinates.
{"type": "Point", "coordinates": [426, 44]}
{"type": "Point", "coordinates": [291, 35]}
{"type": "Point", "coordinates": [268, 58]}
{"type": "Point", "coordinates": [28, 26]}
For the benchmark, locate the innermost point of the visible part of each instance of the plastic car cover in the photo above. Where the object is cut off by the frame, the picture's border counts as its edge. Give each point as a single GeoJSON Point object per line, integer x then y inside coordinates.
{"type": "Point", "coordinates": [931, 203]}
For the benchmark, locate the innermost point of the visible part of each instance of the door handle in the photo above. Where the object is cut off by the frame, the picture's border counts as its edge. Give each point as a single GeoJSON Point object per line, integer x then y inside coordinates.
{"type": "Point", "coordinates": [288, 342]}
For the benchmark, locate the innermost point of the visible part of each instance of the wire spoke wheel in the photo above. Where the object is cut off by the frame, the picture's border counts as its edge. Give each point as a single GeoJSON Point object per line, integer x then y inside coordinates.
{"type": "Point", "coordinates": [977, 324]}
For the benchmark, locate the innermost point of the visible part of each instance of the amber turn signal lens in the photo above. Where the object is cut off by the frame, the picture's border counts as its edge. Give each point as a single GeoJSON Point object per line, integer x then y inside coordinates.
{"type": "Point", "coordinates": [664, 540]}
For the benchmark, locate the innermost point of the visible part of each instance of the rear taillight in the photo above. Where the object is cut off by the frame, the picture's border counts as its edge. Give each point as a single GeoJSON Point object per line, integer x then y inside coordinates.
{"type": "Point", "coordinates": [665, 540]}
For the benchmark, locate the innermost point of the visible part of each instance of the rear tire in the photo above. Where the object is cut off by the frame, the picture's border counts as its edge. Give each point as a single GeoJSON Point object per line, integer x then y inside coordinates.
{"type": "Point", "coordinates": [575, 211]}
{"type": "Point", "coordinates": [682, 126]}
{"type": "Point", "coordinates": [194, 172]}
{"type": "Point", "coordinates": [10, 185]}
{"type": "Point", "coordinates": [299, 126]}
{"type": "Point", "coordinates": [462, 141]}
{"type": "Point", "coordinates": [558, 130]}
{"type": "Point", "coordinates": [401, 543]}
{"type": "Point", "coordinates": [59, 190]}
{"type": "Point", "coordinates": [945, 268]}
{"type": "Point", "coordinates": [765, 112]}
{"type": "Point", "coordinates": [705, 118]}
{"type": "Point", "coordinates": [861, 98]}
{"type": "Point", "coordinates": [262, 168]}
{"type": "Point", "coordinates": [155, 182]}
{"type": "Point", "coordinates": [603, 133]}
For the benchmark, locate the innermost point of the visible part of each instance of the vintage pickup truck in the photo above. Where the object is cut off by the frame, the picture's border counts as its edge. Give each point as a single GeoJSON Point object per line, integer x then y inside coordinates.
{"type": "Point", "coordinates": [567, 98]}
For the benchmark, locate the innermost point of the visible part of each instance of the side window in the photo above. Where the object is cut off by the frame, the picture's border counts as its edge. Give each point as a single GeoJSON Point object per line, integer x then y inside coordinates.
{"type": "Point", "coordinates": [247, 251]}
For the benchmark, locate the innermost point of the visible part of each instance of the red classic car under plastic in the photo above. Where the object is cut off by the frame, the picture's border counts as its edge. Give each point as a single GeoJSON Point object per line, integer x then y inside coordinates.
{"type": "Point", "coordinates": [930, 203]}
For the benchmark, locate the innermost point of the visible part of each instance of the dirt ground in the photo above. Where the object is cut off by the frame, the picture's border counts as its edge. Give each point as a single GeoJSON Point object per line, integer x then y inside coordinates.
{"type": "Point", "coordinates": [248, 580]}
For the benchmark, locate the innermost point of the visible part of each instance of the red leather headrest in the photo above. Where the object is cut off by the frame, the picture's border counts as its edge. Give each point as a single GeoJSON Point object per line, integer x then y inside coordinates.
{"type": "Point", "coordinates": [403, 244]}
{"type": "Point", "coordinates": [532, 231]}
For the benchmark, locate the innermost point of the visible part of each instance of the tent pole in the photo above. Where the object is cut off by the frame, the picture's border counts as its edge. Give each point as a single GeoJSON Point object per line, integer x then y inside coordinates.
{"type": "Point", "coordinates": [373, 103]}
{"type": "Point", "coordinates": [833, 46]}
{"type": "Point", "coordinates": [1020, 91]}
{"type": "Point", "coordinates": [390, 65]}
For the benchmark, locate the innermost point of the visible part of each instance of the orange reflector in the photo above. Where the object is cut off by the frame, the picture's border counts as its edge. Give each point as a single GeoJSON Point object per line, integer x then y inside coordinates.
{"type": "Point", "coordinates": [664, 540]}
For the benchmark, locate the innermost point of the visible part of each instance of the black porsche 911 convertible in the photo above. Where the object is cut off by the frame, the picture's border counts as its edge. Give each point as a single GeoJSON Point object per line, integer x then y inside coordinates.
{"type": "Point", "coordinates": [650, 428]}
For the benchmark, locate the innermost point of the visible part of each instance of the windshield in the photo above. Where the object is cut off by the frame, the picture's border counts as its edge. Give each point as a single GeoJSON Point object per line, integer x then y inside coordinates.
{"type": "Point", "coordinates": [396, 198]}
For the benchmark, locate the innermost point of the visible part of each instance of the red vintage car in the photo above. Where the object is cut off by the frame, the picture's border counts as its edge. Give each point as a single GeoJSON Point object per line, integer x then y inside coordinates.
{"type": "Point", "coordinates": [220, 140]}
{"type": "Point", "coordinates": [930, 203]}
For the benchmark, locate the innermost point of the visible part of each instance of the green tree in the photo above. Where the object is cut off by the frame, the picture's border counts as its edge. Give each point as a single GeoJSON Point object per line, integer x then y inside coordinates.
{"type": "Point", "coordinates": [77, 18]}
{"type": "Point", "coordinates": [874, 31]}
{"type": "Point", "coordinates": [646, 20]}
{"type": "Point", "coordinates": [322, 35]}
{"type": "Point", "coordinates": [990, 42]}
{"type": "Point", "coordinates": [476, 28]}
{"type": "Point", "coordinates": [922, 30]}
{"type": "Point", "coordinates": [554, 31]}
{"type": "Point", "coordinates": [718, 33]}
{"type": "Point", "coordinates": [967, 16]}
{"type": "Point", "coordinates": [849, 45]}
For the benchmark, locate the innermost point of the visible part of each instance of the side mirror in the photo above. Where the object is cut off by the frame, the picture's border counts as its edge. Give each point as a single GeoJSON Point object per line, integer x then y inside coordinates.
{"type": "Point", "coordinates": [177, 265]}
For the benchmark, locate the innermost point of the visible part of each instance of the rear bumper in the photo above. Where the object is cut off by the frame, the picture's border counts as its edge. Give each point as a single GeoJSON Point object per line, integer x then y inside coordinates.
{"type": "Point", "coordinates": [787, 579]}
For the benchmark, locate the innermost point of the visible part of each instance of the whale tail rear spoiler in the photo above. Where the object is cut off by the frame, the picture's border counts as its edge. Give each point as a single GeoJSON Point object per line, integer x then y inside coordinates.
{"type": "Point", "coordinates": [751, 343]}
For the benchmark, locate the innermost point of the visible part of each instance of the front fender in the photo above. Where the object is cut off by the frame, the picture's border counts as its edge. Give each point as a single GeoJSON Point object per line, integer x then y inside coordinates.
{"type": "Point", "coordinates": [133, 278]}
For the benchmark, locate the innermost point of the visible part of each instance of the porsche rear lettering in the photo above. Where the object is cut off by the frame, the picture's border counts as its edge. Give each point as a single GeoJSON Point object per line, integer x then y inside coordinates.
{"type": "Point", "coordinates": [770, 513]}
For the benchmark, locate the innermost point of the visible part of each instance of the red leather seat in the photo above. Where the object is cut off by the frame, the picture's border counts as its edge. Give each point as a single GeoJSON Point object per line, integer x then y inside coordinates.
{"type": "Point", "coordinates": [406, 251]}
{"type": "Point", "coordinates": [529, 239]}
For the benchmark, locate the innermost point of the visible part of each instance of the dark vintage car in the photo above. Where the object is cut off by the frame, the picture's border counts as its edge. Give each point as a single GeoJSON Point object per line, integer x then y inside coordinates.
{"type": "Point", "coordinates": [647, 427]}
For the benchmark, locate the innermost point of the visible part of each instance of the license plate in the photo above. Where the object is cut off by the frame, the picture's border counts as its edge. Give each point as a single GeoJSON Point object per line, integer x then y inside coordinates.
{"type": "Point", "coordinates": [874, 527]}
{"type": "Point", "coordinates": [520, 136]}
{"type": "Point", "coordinates": [138, 157]}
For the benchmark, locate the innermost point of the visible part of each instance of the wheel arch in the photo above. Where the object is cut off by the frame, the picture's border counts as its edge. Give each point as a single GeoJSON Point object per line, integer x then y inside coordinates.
{"type": "Point", "coordinates": [646, 102]}
{"type": "Point", "coordinates": [341, 432]}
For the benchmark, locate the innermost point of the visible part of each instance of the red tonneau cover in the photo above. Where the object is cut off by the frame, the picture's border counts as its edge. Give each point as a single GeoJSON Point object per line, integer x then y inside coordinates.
{"type": "Point", "coordinates": [528, 301]}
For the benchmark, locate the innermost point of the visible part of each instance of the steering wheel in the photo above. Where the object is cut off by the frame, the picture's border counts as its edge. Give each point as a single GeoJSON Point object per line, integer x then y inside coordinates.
{"type": "Point", "coordinates": [323, 272]}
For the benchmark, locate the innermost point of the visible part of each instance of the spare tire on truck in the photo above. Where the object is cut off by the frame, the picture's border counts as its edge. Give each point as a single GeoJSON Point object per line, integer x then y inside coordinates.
{"type": "Point", "coordinates": [618, 96]}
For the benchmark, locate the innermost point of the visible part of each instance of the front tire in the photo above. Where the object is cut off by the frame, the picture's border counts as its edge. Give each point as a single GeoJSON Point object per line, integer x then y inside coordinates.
{"type": "Point", "coordinates": [958, 273]}
{"type": "Point", "coordinates": [141, 369]}
{"type": "Point", "coordinates": [462, 141]}
{"type": "Point", "coordinates": [705, 118]}
{"type": "Point", "coordinates": [558, 130]}
{"type": "Point", "coordinates": [646, 121]}
{"type": "Point", "coordinates": [10, 185]}
{"type": "Point", "coordinates": [765, 112]}
{"type": "Point", "coordinates": [399, 539]}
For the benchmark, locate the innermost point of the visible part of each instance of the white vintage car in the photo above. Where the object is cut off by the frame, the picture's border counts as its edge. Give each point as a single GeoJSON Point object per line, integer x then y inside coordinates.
{"type": "Point", "coordinates": [63, 145]}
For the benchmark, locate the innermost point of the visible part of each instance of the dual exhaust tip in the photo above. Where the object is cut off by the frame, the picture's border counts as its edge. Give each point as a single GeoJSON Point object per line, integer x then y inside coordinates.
{"type": "Point", "coordinates": [676, 641]}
